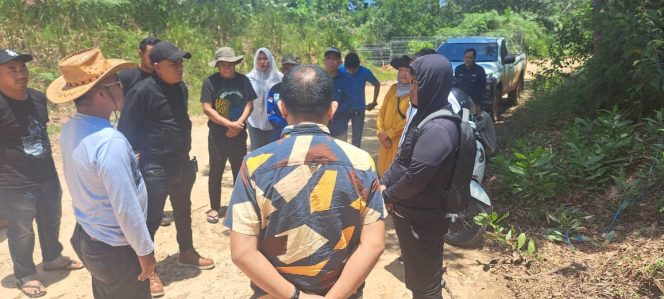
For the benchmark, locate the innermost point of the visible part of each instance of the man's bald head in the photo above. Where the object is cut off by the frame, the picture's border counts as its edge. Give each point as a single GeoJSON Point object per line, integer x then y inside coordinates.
{"type": "Point", "coordinates": [307, 92]}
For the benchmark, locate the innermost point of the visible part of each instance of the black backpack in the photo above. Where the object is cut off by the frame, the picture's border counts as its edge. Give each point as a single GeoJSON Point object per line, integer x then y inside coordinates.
{"type": "Point", "coordinates": [456, 196]}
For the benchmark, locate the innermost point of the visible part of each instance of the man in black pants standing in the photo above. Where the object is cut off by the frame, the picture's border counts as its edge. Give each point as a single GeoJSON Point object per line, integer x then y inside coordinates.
{"type": "Point", "coordinates": [423, 165]}
{"type": "Point", "coordinates": [156, 123]}
{"type": "Point", "coordinates": [227, 98]}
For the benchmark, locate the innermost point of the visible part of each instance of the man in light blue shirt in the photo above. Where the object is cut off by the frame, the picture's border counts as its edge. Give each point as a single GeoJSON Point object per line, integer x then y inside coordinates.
{"type": "Point", "coordinates": [359, 76]}
{"type": "Point", "coordinates": [107, 189]}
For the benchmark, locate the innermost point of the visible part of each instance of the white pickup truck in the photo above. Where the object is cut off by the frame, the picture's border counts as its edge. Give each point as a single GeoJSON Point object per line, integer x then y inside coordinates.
{"type": "Point", "coordinates": [504, 71]}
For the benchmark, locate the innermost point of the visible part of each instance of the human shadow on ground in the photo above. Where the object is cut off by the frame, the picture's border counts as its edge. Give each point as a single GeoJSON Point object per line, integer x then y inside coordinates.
{"type": "Point", "coordinates": [47, 278]}
{"type": "Point", "coordinates": [170, 271]}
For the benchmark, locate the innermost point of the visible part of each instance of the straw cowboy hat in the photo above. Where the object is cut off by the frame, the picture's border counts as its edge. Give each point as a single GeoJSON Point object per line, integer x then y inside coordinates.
{"type": "Point", "coordinates": [80, 72]}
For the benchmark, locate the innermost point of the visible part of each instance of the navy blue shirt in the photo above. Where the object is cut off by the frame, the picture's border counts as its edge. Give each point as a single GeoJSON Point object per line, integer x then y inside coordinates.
{"type": "Point", "coordinates": [472, 81]}
{"type": "Point", "coordinates": [357, 83]}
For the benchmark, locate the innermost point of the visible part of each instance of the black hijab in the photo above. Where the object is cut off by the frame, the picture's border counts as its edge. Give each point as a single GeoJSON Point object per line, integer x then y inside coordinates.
{"type": "Point", "coordinates": [434, 81]}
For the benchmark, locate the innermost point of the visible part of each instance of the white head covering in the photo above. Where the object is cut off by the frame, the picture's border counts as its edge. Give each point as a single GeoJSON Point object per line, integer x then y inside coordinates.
{"type": "Point", "coordinates": [262, 81]}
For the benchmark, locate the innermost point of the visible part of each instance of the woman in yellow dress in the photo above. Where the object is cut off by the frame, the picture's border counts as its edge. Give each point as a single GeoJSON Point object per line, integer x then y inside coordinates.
{"type": "Point", "coordinates": [392, 114]}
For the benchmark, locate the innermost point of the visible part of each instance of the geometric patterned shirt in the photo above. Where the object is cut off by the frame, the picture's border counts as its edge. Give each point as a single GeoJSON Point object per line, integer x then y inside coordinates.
{"type": "Point", "coordinates": [307, 197]}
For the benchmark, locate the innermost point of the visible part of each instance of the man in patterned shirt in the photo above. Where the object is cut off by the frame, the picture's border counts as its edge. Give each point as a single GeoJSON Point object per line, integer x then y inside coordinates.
{"type": "Point", "coordinates": [306, 213]}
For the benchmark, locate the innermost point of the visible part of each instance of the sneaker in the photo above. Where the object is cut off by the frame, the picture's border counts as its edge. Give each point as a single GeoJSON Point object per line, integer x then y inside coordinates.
{"type": "Point", "coordinates": [166, 221]}
{"type": "Point", "coordinates": [156, 286]}
{"type": "Point", "coordinates": [191, 258]}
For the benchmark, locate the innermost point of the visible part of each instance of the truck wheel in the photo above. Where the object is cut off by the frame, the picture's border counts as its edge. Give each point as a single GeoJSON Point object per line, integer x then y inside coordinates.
{"type": "Point", "coordinates": [514, 96]}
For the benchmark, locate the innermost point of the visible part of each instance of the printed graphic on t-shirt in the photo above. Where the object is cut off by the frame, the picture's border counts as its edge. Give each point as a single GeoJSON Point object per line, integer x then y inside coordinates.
{"type": "Point", "coordinates": [33, 144]}
{"type": "Point", "coordinates": [229, 104]}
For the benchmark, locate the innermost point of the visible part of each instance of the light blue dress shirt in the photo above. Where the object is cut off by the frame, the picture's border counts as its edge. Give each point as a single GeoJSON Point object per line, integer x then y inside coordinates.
{"type": "Point", "coordinates": [107, 189]}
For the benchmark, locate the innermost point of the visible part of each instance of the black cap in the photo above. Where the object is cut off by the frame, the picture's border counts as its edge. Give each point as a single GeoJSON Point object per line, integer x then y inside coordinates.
{"type": "Point", "coordinates": [402, 61]}
{"type": "Point", "coordinates": [7, 55]}
{"type": "Point", "coordinates": [423, 52]}
{"type": "Point", "coordinates": [333, 51]}
{"type": "Point", "coordinates": [167, 51]}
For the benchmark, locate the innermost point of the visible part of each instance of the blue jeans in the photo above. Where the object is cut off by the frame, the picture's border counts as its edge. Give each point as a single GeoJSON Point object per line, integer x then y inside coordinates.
{"type": "Point", "coordinates": [357, 121]}
{"type": "Point", "coordinates": [21, 206]}
{"type": "Point", "coordinates": [170, 177]}
{"type": "Point", "coordinates": [259, 138]}
{"type": "Point", "coordinates": [114, 270]}
{"type": "Point", "coordinates": [339, 125]}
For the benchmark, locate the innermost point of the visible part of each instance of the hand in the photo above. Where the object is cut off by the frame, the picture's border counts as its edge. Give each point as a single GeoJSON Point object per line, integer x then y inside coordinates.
{"type": "Point", "coordinates": [387, 143]}
{"type": "Point", "coordinates": [137, 154]}
{"type": "Point", "coordinates": [382, 136]}
{"type": "Point", "coordinates": [371, 106]}
{"type": "Point", "coordinates": [382, 188]}
{"type": "Point", "coordinates": [236, 125]}
{"type": "Point", "coordinates": [232, 133]}
{"type": "Point", "coordinates": [148, 266]}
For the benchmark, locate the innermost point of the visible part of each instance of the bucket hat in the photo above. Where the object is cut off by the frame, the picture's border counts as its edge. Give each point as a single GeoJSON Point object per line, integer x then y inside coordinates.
{"type": "Point", "coordinates": [225, 54]}
{"type": "Point", "coordinates": [80, 72]}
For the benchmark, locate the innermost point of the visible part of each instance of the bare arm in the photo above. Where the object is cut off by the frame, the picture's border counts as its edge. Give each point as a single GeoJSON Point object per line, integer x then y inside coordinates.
{"type": "Point", "coordinates": [376, 92]}
{"type": "Point", "coordinates": [361, 262]}
{"type": "Point", "coordinates": [248, 107]}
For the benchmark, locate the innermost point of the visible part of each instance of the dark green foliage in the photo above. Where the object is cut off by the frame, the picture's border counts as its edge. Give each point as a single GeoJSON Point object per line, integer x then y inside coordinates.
{"type": "Point", "coordinates": [597, 150]}
{"type": "Point", "coordinates": [530, 173]}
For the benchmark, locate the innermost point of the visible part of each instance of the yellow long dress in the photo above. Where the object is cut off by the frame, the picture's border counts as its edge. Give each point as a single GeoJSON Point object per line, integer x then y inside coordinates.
{"type": "Point", "coordinates": [391, 122]}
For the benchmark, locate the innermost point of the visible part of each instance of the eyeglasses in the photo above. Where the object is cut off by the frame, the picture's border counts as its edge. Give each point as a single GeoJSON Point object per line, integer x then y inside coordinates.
{"type": "Point", "coordinates": [110, 84]}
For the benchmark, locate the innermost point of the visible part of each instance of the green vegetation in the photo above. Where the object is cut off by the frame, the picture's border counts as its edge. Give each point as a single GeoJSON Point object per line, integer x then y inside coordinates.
{"type": "Point", "coordinates": [509, 237]}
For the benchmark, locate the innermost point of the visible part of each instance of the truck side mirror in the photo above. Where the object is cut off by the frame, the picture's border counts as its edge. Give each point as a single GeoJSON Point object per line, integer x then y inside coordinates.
{"type": "Point", "coordinates": [509, 58]}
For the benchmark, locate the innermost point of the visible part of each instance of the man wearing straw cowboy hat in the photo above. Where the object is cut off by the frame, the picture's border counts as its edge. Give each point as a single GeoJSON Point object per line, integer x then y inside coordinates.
{"type": "Point", "coordinates": [107, 189]}
{"type": "Point", "coordinates": [29, 185]}
{"type": "Point", "coordinates": [157, 125]}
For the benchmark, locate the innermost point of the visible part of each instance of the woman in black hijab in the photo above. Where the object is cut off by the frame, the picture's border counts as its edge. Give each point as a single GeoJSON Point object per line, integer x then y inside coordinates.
{"type": "Point", "coordinates": [423, 164]}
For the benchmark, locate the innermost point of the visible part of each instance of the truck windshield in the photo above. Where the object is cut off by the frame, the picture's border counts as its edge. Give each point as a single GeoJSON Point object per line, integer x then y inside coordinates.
{"type": "Point", "coordinates": [454, 52]}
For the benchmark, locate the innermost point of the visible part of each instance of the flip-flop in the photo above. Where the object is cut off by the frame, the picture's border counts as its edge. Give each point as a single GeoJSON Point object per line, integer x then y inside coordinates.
{"type": "Point", "coordinates": [66, 264]}
{"type": "Point", "coordinates": [31, 285]}
{"type": "Point", "coordinates": [212, 218]}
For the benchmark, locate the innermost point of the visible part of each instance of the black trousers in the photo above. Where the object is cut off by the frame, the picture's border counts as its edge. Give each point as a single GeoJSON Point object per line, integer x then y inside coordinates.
{"type": "Point", "coordinates": [421, 245]}
{"type": "Point", "coordinates": [222, 149]}
{"type": "Point", "coordinates": [173, 177]}
{"type": "Point", "coordinates": [114, 270]}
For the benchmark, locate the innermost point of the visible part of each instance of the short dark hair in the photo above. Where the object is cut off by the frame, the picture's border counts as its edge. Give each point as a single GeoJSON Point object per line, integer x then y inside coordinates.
{"type": "Point", "coordinates": [470, 50]}
{"type": "Point", "coordinates": [148, 41]}
{"type": "Point", "coordinates": [307, 92]}
{"type": "Point", "coordinates": [352, 60]}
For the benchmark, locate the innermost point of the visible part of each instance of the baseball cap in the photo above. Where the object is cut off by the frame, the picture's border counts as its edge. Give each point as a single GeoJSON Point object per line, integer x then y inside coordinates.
{"type": "Point", "coordinates": [7, 55]}
{"type": "Point", "coordinates": [401, 61]}
{"type": "Point", "coordinates": [290, 59]}
{"type": "Point", "coordinates": [333, 51]}
{"type": "Point", "coordinates": [167, 51]}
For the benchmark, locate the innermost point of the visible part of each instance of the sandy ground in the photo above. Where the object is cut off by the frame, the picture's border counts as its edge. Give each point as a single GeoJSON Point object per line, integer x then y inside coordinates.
{"type": "Point", "coordinates": [465, 276]}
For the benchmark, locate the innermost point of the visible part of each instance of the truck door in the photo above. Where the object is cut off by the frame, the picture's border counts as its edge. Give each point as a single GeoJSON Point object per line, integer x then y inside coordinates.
{"type": "Point", "coordinates": [508, 70]}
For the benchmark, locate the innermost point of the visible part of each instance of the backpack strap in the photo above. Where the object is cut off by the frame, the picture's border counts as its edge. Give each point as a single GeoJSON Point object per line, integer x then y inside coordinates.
{"type": "Point", "coordinates": [439, 113]}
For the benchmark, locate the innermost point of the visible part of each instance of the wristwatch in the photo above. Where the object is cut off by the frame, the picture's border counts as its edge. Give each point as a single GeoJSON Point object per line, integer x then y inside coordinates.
{"type": "Point", "coordinates": [296, 293]}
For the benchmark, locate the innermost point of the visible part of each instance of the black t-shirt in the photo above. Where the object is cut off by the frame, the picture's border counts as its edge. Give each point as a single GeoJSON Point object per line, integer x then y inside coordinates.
{"type": "Point", "coordinates": [130, 77]}
{"type": "Point", "coordinates": [227, 96]}
{"type": "Point", "coordinates": [25, 150]}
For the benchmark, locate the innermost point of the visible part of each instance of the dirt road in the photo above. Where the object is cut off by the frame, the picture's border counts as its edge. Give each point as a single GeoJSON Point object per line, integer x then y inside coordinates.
{"type": "Point", "coordinates": [465, 277]}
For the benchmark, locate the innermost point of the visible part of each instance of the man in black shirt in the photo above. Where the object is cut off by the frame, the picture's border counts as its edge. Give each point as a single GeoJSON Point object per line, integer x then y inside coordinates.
{"type": "Point", "coordinates": [130, 77]}
{"type": "Point", "coordinates": [227, 98]}
{"type": "Point", "coordinates": [471, 77]}
{"type": "Point", "coordinates": [156, 123]}
{"type": "Point", "coordinates": [423, 165]}
{"type": "Point", "coordinates": [29, 185]}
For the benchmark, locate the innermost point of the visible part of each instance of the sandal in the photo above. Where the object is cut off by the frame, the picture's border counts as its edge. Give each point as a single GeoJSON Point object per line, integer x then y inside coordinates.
{"type": "Point", "coordinates": [62, 263]}
{"type": "Point", "coordinates": [31, 288]}
{"type": "Point", "coordinates": [212, 216]}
